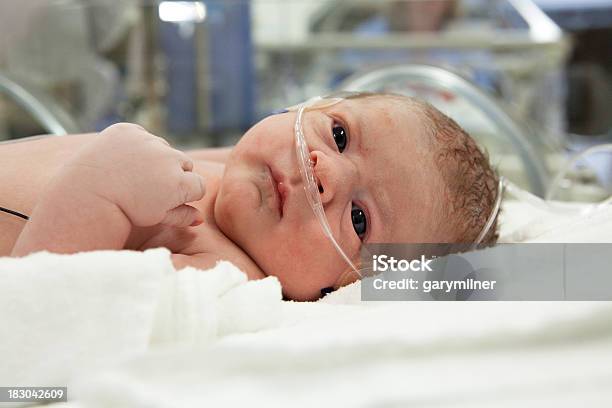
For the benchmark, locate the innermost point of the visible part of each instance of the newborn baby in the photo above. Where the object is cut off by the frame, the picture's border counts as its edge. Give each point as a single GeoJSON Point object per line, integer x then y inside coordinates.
{"type": "Point", "coordinates": [389, 169]}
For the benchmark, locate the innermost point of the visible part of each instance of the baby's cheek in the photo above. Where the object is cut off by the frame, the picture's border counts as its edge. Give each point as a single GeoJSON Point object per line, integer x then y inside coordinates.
{"type": "Point", "coordinates": [286, 251]}
{"type": "Point", "coordinates": [305, 266]}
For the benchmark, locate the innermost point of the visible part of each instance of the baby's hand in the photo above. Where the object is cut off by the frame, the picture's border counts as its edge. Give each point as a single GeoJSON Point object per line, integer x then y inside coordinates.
{"type": "Point", "coordinates": [141, 174]}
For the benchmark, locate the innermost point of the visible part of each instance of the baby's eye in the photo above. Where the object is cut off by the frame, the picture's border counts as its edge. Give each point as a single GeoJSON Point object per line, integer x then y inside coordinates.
{"type": "Point", "coordinates": [340, 137]}
{"type": "Point", "coordinates": [360, 223]}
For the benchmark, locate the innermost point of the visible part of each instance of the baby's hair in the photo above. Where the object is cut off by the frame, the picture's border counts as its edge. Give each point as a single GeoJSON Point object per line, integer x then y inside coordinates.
{"type": "Point", "coordinates": [469, 181]}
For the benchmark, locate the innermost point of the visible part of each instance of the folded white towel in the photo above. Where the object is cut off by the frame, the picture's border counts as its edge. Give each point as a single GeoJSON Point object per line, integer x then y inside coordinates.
{"type": "Point", "coordinates": [196, 308]}
{"type": "Point", "coordinates": [59, 312]}
{"type": "Point", "coordinates": [67, 314]}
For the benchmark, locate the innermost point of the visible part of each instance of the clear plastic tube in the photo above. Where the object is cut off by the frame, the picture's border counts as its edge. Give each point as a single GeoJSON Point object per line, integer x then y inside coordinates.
{"type": "Point", "coordinates": [493, 215]}
{"type": "Point", "coordinates": [311, 187]}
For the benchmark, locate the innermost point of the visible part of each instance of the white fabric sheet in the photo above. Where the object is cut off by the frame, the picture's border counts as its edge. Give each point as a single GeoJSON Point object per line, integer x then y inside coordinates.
{"type": "Point", "coordinates": [123, 329]}
{"type": "Point", "coordinates": [62, 314]}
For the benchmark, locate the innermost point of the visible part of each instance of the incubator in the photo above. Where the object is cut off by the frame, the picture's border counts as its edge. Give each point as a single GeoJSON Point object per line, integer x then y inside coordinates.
{"type": "Point", "coordinates": [77, 66]}
{"type": "Point", "coordinates": [510, 49]}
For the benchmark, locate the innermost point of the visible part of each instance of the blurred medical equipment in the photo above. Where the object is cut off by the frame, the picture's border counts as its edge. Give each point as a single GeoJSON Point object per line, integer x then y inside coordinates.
{"type": "Point", "coordinates": [181, 68]}
{"type": "Point", "coordinates": [561, 181]}
{"type": "Point", "coordinates": [203, 71]}
{"type": "Point", "coordinates": [39, 106]}
{"type": "Point", "coordinates": [589, 70]}
{"type": "Point", "coordinates": [59, 52]}
{"type": "Point", "coordinates": [509, 48]}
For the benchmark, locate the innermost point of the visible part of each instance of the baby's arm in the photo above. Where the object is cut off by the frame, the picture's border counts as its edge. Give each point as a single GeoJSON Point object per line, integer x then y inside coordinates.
{"type": "Point", "coordinates": [215, 154]}
{"type": "Point", "coordinates": [69, 219]}
{"type": "Point", "coordinates": [125, 177]}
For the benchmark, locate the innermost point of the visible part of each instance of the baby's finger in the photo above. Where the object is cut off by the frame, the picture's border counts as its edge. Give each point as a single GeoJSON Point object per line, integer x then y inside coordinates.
{"type": "Point", "coordinates": [186, 163]}
{"type": "Point", "coordinates": [183, 216]}
{"type": "Point", "coordinates": [193, 187]}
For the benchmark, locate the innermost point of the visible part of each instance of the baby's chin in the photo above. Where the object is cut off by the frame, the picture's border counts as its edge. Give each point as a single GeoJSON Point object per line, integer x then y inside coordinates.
{"type": "Point", "coordinates": [235, 214]}
{"type": "Point", "coordinates": [225, 210]}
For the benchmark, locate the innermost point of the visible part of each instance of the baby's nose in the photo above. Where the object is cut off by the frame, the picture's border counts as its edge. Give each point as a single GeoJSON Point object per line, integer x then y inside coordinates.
{"type": "Point", "coordinates": [332, 175]}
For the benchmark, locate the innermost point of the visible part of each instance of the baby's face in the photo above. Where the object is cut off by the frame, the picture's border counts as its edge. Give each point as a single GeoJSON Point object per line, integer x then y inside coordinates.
{"type": "Point", "coordinates": [377, 184]}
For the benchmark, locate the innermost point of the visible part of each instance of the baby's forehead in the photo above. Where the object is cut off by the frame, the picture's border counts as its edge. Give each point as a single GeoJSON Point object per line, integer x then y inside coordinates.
{"type": "Point", "coordinates": [389, 120]}
{"type": "Point", "coordinates": [375, 104]}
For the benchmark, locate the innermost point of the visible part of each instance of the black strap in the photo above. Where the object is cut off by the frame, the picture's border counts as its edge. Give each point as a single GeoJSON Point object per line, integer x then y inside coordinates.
{"type": "Point", "coordinates": [15, 213]}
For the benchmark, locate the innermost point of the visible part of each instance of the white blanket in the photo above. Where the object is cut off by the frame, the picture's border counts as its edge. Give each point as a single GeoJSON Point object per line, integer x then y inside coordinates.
{"type": "Point", "coordinates": [123, 329]}
{"type": "Point", "coordinates": [412, 354]}
{"type": "Point", "coordinates": [521, 222]}
{"type": "Point", "coordinates": [61, 314]}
